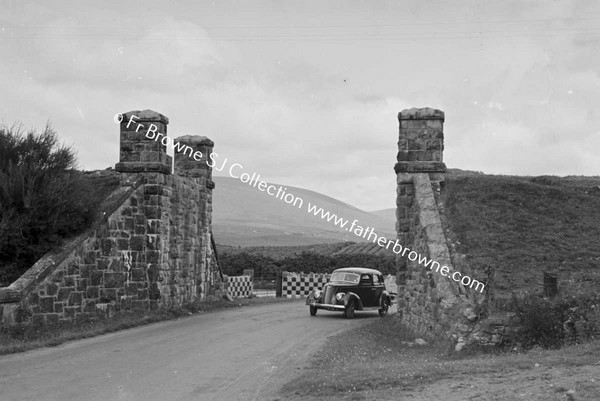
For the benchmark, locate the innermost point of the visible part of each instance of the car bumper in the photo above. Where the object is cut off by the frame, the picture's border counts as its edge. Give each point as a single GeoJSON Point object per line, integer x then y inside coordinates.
{"type": "Point", "coordinates": [326, 306]}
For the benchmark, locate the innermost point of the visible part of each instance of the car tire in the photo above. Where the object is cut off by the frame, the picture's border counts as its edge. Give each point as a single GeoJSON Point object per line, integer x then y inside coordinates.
{"type": "Point", "coordinates": [349, 312]}
{"type": "Point", "coordinates": [384, 308]}
{"type": "Point", "coordinates": [313, 310]}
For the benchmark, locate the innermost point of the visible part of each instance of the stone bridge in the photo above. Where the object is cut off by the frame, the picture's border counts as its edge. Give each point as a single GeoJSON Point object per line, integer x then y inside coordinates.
{"type": "Point", "coordinates": [430, 301]}
{"type": "Point", "coordinates": [151, 246]}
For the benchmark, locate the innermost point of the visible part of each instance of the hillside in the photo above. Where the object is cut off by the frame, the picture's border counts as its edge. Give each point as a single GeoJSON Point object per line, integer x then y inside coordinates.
{"type": "Point", "coordinates": [386, 214]}
{"type": "Point", "coordinates": [524, 226]}
{"type": "Point", "coordinates": [245, 216]}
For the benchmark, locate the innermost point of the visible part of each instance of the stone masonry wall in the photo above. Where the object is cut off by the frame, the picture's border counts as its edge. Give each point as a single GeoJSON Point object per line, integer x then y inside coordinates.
{"type": "Point", "coordinates": [152, 248]}
{"type": "Point", "coordinates": [433, 305]}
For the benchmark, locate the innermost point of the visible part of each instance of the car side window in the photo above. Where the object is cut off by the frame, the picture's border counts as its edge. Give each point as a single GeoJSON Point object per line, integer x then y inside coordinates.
{"type": "Point", "coordinates": [376, 279]}
{"type": "Point", "coordinates": [366, 279]}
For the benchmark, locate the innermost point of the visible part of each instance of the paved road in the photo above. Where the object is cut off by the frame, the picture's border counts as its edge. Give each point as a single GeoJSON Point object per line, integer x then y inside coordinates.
{"type": "Point", "coordinates": [236, 354]}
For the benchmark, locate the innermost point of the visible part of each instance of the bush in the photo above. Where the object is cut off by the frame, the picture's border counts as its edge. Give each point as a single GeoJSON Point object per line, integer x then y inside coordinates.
{"type": "Point", "coordinates": [233, 264]}
{"type": "Point", "coordinates": [551, 323]}
{"type": "Point", "coordinates": [43, 198]}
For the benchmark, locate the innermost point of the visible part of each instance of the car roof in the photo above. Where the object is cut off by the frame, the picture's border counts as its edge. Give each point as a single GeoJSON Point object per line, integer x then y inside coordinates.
{"type": "Point", "coordinates": [357, 270]}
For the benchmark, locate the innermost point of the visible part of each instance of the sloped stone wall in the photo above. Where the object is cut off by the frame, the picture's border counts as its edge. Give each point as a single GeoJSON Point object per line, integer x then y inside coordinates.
{"type": "Point", "coordinates": [150, 248]}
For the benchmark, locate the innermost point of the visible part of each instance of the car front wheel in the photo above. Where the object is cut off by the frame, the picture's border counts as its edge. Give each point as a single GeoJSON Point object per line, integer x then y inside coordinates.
{"type": "Point", "coordinates": [349, 312]}
{"type": "Point", "coordinates": [313, 310]}
{"type": "Point", "coordinates": [384, 308]}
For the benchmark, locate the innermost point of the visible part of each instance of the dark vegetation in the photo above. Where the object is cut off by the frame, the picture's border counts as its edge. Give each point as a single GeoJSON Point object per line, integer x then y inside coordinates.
{"type": "Point", "coordinates": [558, 321]}
{"type": "Point", "coordinates": [43, 198]}
{"type": "Point", "coordinates": [267, 261]}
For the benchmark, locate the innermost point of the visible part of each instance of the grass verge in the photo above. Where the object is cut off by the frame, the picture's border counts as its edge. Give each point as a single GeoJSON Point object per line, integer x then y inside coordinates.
{"type": "Point", "coordinates": [381, 358]}
{"type": "Point", "coordinates": [23, 337]}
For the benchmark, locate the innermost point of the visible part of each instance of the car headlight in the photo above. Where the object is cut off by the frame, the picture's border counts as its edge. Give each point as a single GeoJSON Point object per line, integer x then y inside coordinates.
{"type": "Point", "coordinates": [339, 296]}
{"type": "Point", "coordinates": [317, 294]}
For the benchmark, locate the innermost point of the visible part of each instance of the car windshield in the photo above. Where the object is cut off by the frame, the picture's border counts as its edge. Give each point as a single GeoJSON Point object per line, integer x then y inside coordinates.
{"type": "Point", "coordinates": [345, 277]}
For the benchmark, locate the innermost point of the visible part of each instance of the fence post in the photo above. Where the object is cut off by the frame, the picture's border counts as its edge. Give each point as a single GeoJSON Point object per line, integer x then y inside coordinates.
{"type": "Point", "coordinates": [278, 284]}
{"type": "Point", "coordinates": [550, 284]}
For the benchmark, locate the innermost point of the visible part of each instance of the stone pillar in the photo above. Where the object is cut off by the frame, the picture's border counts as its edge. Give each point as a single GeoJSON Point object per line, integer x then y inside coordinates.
{"type": "Point", "coordinates": [140, 152]}
{"type": "Point", "coordinates": [191, 161]}
{"type": "Point", "coordinates": [421, 141]}
{"type": "Point", "coordinates": [194, 164]}
{"type": "Point", "coordinates": [420, 147]}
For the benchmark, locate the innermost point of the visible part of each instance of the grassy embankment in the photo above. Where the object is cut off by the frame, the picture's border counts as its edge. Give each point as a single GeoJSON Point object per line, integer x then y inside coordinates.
{"type": "Point", "coordinates": [523, 226]}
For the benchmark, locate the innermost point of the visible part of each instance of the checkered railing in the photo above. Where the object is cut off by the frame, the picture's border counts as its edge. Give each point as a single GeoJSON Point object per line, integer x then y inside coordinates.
{"type": "Point", "coordinates": [300, 284]}
{"type": "Point", "coordinates": [239, 286]}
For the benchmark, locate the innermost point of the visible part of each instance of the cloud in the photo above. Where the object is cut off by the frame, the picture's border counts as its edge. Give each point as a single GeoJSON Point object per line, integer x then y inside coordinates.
{"type": "Point", "coordinates": [310, 101]}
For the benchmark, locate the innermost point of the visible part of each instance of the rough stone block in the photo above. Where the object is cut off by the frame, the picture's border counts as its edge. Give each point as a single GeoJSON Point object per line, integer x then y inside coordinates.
{"type": "Point", "coordinates": [92, 292]}
{"type": "Point", "coordinates": [70, 311]}
{"type": "Point", "coordinates": [142, 294]}
{"type": "Point", "coordinates": [404, 201]}
{"type": "Point", "coordinates": [152, 212]}
{"type": "Point", "coordinates": [153, 257]}
{"type": "Point", "coordinates": [51, 319]}
{"type": "Point", "coordinates": [82, 284]}
{"type": "Point", "coordinates": [137, 274]}
{"type": "Point", "coordinates": [73, 268]}
{"type": "Point", "coordinates": [101, 264]}
{"type": "Point", "coordinates": [96, 278]}
{"type": "Point", "coordinates": [51, 289]}
{"type": "Point", "coordinates": [89, 306]}
{"type": "Point", "coordinates": [63, 294]}
{"type": "Point", "coordinates": [131, 289]}
{"type": "Point", "coordinates": [402, 156]}
{"type": "Point", "coordinates": [34, 298]}
{"type": "Point", "coordinates": [114, 279]}
{"type": "Point", "coordinates": [90, 258]}
{"type": "Point", "coordinates": [47, 304]}
{"type": "Point", "coordinates": [75, 298]}
{"type": "Point", "coordinates": [108, 295]}
{"type": "Point", "coordinates": [122, 244]}
{"type": "Point", "coordinates": [137, 242]}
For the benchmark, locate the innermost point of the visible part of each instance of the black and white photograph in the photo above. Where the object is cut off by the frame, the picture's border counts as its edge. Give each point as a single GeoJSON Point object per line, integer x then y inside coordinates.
{"type": "Point", "coordinates": [272, 200]}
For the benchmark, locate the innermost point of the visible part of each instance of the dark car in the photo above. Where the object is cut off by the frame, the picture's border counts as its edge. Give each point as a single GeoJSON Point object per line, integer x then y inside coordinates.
{"type": "Point", "coordinates": [350, 289]}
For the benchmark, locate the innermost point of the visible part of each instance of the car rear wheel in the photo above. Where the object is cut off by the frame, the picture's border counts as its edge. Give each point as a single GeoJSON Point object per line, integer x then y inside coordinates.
{"type": "Point", "coordinates": [349, 312]}
{"type": "Point", "coordinates": [384, 308]}
{"type": "Point", "coordinates": [313, 310]}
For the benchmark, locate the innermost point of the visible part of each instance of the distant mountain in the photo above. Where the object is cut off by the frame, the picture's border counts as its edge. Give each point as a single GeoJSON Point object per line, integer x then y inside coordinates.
{"type": "Point", "coordinates": [245, 216]}
{"type": "Point", "coordinates": [386, 214]}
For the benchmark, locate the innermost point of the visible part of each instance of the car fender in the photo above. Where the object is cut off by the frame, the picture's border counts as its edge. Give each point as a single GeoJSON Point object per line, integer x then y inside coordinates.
{"type": "Point", "coordinates": [386, 297]}
{"type": "Point", "coordinates": [352, 296]}
{"type": "Point", "coordinates": [311, 296]}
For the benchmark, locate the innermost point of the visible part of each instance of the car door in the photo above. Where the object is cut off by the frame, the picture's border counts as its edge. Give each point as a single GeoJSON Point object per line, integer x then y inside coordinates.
{"type": "Point", "coordinates": [368, 292]}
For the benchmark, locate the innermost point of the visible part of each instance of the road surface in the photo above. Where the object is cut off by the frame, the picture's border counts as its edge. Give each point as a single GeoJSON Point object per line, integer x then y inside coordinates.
{"type": "Point", "coordinates": [235, 354]}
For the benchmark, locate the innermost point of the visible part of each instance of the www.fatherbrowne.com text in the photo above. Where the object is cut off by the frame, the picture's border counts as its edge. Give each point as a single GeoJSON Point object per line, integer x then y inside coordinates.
{"type": "Point", "coordinates": [236, 170]}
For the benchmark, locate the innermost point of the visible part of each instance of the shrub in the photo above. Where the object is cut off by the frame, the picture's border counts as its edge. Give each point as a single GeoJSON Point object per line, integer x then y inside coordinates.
{"type": "Point", "coordinates": [558, 321]}
{"type": "Point", "coordinates": [43, 198]}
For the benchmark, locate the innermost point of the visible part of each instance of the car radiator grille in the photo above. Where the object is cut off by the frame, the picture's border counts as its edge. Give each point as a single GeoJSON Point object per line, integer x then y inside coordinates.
{"type": "Point", "coordinates": [329, 293]}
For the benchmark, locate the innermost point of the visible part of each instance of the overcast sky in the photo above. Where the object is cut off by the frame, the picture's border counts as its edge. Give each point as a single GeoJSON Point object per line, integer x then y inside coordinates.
{"type": "Point", "coordinates": [307, 93]}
